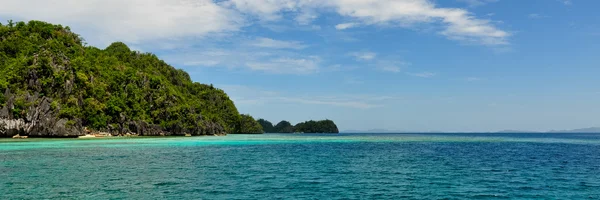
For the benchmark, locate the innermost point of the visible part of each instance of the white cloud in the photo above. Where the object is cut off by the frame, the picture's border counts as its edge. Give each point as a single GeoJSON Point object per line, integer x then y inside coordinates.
{"type": "Point", "coordinates": [363, 55]}
{"type": "Point", "coordinates": [474, 3]}
{"type": "Point", "coordinates": [268, 10]}
{"type": "Point", "coordinates": [459, 24]}
{"type": "Point", "coordinates": [277, 44]}
{"type": "Point", "coordinates": [175, 26]}
{"type": "Point", "coordinates": [250, 95]}
{"type": "Point", "coordinates": [138, 21]}
{"type": "Point", "coordinates": [133, 21]}
{"type": "Point", "coordinates": [306, 17]}
{"type": "Point", "coordinates": [345, 26]}
{"type": "Point", "coordinates": [423, 74]}
{"type": "Point", "coordinates": [287, 65]}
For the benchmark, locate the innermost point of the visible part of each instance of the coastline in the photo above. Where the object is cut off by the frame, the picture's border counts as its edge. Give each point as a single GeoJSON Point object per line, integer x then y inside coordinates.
{"type": "Point", "coordinates": [93, 137]}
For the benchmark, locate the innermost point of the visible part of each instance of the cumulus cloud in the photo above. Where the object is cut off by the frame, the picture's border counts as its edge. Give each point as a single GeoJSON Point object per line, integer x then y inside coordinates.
{"type": "Point", "coordinates": [175, 27]}
{"type": "Point", "coordinates": [458, 24]}
{"type": "Point", "coordinates": [306, 17]}
{"type": "Point", "coordinates": [132, 21]}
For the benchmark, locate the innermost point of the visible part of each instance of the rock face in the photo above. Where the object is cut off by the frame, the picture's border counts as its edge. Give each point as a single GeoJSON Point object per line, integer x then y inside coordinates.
{"type": "Point", "coordinates": [144, 129]}
{"type": "Point", "coordinates": [43, 121]}
{"type": "Point", "coordinates": [40, 121]}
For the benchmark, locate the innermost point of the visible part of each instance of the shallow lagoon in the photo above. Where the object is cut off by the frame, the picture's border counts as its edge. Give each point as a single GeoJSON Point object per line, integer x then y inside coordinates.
{"type": "Point", "coordinates": [354, 166]}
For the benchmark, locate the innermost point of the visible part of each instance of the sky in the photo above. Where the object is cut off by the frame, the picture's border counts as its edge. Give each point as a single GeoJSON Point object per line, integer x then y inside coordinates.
{"type": "Point", "coordinates": [405, 65]}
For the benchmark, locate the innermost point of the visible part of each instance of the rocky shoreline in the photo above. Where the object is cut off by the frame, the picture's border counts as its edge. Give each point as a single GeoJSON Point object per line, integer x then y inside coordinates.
{"type": "Point", "coordinates": [42, 121]}
{"type": "Point", "coordinates": [19, 129]}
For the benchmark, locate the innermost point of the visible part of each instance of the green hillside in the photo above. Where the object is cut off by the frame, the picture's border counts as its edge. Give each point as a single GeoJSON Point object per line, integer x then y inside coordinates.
{"type": "Point", "coordinates": [54, 85]}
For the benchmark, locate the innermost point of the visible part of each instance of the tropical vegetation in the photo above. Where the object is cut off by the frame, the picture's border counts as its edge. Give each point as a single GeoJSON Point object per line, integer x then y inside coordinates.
{"type": "Point", "coordinates": [322, 126]}
{"type": "Point", "coordinates": [111, 87]}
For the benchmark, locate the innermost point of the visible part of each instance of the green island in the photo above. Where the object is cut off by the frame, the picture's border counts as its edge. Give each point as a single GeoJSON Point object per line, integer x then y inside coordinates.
{"type": "Point", "coordinates": [53, 85]}
{"type": "Point", "coordinates": [322, 126]}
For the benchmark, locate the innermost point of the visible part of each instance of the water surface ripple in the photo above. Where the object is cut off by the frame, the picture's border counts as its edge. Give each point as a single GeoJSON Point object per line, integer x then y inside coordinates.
{"type": "Point", "coordinates": [273, 166]}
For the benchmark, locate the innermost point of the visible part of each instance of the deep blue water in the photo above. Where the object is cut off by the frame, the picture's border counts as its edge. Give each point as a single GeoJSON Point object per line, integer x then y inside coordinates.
{"type": "Point", "coordinates": [273, 166]}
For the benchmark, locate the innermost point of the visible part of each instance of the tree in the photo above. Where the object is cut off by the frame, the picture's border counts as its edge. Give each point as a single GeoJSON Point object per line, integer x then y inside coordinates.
{"type": "Point", "coordinates": [267, 126]}
{"type": "Point", "coordinates": [323, 126]}
{"type": "Point", "coordinates": [248, 125]}
{"type": "Point", "coordinates": [284, 127]}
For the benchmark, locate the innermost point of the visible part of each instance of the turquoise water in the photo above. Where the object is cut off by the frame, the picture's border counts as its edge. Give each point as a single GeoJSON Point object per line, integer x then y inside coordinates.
{"type": "Point", "coordinates": [272, 166]}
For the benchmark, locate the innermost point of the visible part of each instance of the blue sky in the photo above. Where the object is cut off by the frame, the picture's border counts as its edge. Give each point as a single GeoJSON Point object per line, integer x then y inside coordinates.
{"type": "Point", "coordinates": [409, 65]}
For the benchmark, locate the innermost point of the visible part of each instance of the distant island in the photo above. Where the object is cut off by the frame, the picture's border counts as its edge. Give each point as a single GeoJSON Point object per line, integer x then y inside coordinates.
{"type": "Point", "coordinates": [322, 126]}
{"type": "Point", "coordinates": [581, 130]}
{"type": "Point", "coordinates": [387, 131]}
{"type": "Point", "coordinates": [52, 85]}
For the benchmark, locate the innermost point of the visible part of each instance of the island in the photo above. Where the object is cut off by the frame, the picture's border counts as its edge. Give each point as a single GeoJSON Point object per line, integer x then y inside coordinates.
{"type": "Point", "coordinates": [321, 126]}
{"type": "Point", "coordinates": [54, 85]}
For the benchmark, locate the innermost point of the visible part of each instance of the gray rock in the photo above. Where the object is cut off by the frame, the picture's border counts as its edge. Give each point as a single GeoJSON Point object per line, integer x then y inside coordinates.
{"type": "Point", "coordinates": [40, 121]}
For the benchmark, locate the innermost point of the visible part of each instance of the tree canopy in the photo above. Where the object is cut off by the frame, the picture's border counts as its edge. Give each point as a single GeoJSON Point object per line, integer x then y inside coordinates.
{"type": "Point", "coordinates": [283, 127]}
{"type": "Point", "coordinates": [322, 126]}
{"type": "Point", "coordinates": [248, 125]}
{"type": "Point", "coordinates": [267, 126]}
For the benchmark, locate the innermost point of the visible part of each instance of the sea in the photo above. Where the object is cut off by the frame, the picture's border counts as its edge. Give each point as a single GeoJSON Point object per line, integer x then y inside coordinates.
{"type": "Point", "coordinates": [305, 166]}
